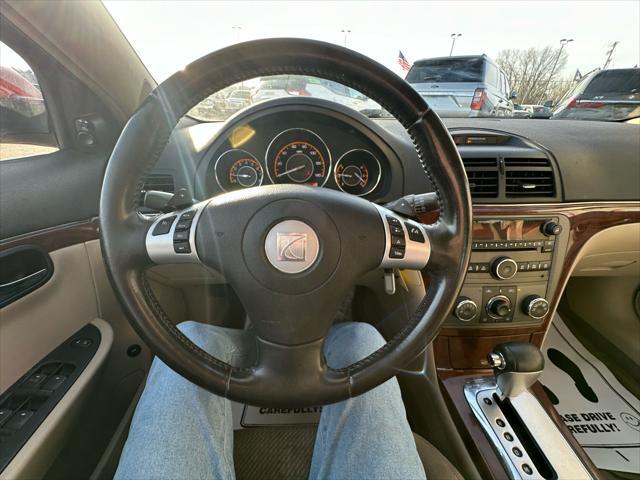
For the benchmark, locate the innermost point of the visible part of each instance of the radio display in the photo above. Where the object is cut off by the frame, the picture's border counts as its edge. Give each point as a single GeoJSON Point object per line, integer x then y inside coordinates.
{"type": "Point", "coordinates": [507, 229]}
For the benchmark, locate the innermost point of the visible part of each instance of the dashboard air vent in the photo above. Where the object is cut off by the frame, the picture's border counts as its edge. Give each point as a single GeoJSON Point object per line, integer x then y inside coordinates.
{"type": "Point", "coordinates": [158, 181]}
{"type": "Point", "coordinates": [483, 176]}
{"type": "Point", "coordinates": [529, 177]}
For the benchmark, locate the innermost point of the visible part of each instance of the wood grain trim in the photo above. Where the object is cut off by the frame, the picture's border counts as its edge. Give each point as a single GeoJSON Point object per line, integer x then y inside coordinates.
{"type": "Point", "coordinates": [542, 397]}
{"type": "Point", "coordinates": [58, 237]}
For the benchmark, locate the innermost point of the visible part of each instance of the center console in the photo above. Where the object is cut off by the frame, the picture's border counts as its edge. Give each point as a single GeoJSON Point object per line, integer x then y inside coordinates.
{"type": "Point", "coordinates": [511, 272]}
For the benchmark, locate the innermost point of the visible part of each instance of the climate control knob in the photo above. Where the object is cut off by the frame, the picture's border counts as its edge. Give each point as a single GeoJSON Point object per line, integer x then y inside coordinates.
{"type": "Point", "coordinates": [499, 307]}
{"type": "Point", "coordinates": [466, 309]}
{"type": "Point", "coordinates": [535, 306]}
{"type": "Point", "coordinates": [504, 268]}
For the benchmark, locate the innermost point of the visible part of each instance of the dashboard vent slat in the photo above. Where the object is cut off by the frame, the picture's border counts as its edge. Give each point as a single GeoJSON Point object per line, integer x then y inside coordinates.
{"type": "Point", "coordinates": [483, 177]}
{"type": "Point", "coordinates": [529, 183]}
{"type": "Point", "coordinates": [526, 162]}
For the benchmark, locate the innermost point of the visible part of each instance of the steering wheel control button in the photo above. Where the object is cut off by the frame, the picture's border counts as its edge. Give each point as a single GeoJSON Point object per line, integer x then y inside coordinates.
{"type": "Point", "coordinates": [393, 221]}
{"type": "Point", "coordinates": [188, 215]}
{"type": "Point", "coordinates": [183, 225]}
{"type": "Point", "coordinates": [466, 309]}
{"type": "Point", "coordinates": [415, 234]}
{"type": "Point", "coordinates": [182, 247]}
{"type": "Point", "coordinates": [164, 226]}
{"type": "Point", "coordinates": [398, 241]}
{"type": "Point", "coordinates": [396, 252]}
{"type": "Point", "coordinates": [396, 230]}
{"type": "Point", "coordinates": [292, 246]}
{"type": "Point", "coordinates": [504, 268]}
{"type": "Point", "coordinates": [181, 236]}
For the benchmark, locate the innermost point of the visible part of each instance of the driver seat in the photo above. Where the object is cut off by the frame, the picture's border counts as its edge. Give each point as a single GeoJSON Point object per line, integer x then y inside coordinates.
{"type": "Point", "coordinates": [285, 453]}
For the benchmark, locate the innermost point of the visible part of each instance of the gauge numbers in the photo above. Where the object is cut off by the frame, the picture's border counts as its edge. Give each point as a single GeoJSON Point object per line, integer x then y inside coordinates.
{"type": "Point", "coordinates": [299, 156]}
{"type": "Point", "coordinates": [236, 169]}
{"type": "Point", "coordinates": [357, 172]}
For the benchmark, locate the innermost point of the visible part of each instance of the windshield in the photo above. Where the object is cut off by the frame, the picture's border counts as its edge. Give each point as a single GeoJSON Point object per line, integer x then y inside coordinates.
{"type": "Point", "coordinates": [445, 50]}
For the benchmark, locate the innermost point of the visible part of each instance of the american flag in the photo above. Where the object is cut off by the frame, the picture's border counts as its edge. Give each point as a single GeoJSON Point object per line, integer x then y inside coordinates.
{"type": "Point", "coordinates": [406, 66]}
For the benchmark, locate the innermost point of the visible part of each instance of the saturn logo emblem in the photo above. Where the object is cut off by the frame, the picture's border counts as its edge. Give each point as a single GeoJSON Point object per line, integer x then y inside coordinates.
{"type": "Point", "coordinates": [292, 246]}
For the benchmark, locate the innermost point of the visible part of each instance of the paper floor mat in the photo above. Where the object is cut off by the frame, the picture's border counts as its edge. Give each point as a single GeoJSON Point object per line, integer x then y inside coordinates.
{"type": "Point", "coordinates": [603, 415]}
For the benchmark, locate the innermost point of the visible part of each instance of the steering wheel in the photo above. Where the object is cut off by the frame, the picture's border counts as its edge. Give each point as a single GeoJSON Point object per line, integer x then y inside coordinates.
{"type": "Point", "coordinates": [289, 252]}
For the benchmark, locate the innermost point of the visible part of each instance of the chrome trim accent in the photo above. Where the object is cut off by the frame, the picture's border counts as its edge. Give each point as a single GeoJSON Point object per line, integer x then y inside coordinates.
{"type": "Point", "coordinates": [160, 247]}
{"type": "Point", "coordinates": [551, 441]}
{"type": "Point", "coordinates": [555, 204]}
{"type": "Point", "coordinates": [493, 299]}
{"type": "Point", "coordinates": [496, 269]}
{"type": "Point", "coordinates": [529, 306]}
{"type": "Point", "coordinates": [358, 150]}
{"type": "Point", "coordinates": [266, 154]}
{"type": "Point", "coordinates": [215, 167]}
{"type": "Point", "coordinates": [23, 279]}
{"type": "Point", "coordinates": [475, 391]}
{"type": "Point", "coordinates": [459, 305]}
{"type": "Point", "coordinates": [496, 360]}
{"type": "Point", "coordinates": [416, 255]}
{"type": "Point", "coordinates": [291, 232]}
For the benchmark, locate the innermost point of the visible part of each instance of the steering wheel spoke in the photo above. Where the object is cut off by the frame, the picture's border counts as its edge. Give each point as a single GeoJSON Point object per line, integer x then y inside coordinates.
{"type": "Point", "coordinates": [171, 238]}
{"type": "Point", "coordinates": [282, 369]}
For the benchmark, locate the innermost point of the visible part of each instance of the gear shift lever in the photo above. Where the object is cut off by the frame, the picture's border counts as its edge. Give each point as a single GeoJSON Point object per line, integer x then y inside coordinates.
{"type": "Point", "coordinates": [516, 366]}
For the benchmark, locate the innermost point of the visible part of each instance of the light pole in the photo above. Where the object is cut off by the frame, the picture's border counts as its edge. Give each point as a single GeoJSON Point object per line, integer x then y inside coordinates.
{"type": "Point", "coordinates": [563, 42]}
{"type": "Point", "coordinates": [454, 37]}
{"type": "Point", "coordinates": [346, 34]}
{"type": "Point", "coordinates": [237, 29]}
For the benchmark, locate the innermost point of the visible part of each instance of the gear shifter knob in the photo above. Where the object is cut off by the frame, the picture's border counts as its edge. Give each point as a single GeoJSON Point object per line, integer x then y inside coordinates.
{"type": "Point", "coordinates": [516, 366]}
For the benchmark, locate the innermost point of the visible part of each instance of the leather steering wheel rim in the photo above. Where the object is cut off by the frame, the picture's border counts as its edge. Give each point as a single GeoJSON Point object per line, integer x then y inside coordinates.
{"type": "Point", "coordinates": [123, 228]}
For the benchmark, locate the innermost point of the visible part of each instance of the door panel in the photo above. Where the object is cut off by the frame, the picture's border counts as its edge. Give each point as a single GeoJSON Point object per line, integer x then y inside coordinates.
{"type": "Point", "coordinates": [37, 323]}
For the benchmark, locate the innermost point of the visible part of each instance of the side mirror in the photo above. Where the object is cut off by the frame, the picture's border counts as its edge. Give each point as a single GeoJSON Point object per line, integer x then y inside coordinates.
{"type": "Point", "coordinates": [548, 104]}
{"type": "Point", "coordinates": [513, 95]}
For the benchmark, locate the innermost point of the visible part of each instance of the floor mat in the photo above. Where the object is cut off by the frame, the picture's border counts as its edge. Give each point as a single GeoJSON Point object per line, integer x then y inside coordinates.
{"type": "Point", "coordinates": [282, 453]}
{"type": "Point", "coordinates": [602, 415]}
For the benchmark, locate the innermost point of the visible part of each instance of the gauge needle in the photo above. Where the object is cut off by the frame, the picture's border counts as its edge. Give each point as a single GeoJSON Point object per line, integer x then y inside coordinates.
{"type": "Point", "coordinates": [358, 177]}
{"type": "Point", "coordinates": [242, 175]}
{"type": "Point", "coordinates": [295, 169]}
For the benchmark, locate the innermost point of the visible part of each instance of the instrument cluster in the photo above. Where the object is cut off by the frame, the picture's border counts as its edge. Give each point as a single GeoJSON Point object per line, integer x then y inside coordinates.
{"type": "Point", "coordinates": [319, 154]}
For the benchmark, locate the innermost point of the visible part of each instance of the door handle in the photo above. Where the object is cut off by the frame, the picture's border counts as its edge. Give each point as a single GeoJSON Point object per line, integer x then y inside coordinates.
{"type": "Point", "coordinates": [24, 280]}
{"type": "Point", "coordinates": [22, 270]}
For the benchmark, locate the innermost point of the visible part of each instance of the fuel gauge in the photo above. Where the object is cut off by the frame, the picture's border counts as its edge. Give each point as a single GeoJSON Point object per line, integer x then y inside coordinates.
{"type": "Point", "coordinates": [357, 172]}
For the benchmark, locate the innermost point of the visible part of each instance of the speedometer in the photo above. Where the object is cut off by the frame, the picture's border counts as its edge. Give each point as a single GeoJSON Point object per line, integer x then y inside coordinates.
{"type": "Point", "coordinates": [299, 156]}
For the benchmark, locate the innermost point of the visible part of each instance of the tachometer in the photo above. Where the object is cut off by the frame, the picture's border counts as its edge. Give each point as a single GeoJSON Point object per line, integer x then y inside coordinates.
{"type": "Point", "coordinates": [300, 156]}
{"type": "Point", "coordinates": [357, 172]}
{"type": "Point", "coordinates": [236, 169]}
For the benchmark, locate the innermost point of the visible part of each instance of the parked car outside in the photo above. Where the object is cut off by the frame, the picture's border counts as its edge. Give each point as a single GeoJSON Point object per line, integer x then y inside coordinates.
{"type": "Point", "coordinates": [538, 111]}
{"type": "Point", "coordinates": [237, 100]}
{"type": "Point", "coordinates": [611, 95]}
{"type": "Point", "coordinates": [305, 86]}
{"type": "Point", "coordinates": [521, 111]}
{"type": "Point", "coordinates": [463, 86]}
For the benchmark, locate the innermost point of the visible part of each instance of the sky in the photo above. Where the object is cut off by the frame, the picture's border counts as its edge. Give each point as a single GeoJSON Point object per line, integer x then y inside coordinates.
{"type": "Point", "coordinates": [168, 35]}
